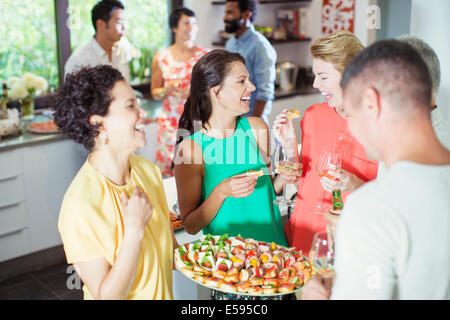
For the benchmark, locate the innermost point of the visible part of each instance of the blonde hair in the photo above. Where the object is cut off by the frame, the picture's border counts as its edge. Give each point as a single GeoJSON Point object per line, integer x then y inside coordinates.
{"type": "Point", "coordinates": [338, 48]}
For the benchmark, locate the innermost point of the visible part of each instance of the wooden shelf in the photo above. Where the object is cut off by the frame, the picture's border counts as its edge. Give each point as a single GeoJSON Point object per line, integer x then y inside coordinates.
{"type": "Point", "coordinates": [222, 43]}
{"type": "Point", "coordinates": [266, 1]}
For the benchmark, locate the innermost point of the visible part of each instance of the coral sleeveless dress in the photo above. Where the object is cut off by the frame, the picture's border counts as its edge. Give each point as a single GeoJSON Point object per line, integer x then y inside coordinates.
{"type": "Point", "coordinates": [172, 106]}
{"type": "Point", "coordinates": [322, 128]}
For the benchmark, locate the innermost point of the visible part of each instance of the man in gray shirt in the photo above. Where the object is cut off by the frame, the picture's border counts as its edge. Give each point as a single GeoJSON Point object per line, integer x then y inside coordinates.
{"type": "Point", "coordinates": [440, 125]}
{"type": "Point", "coordinates": [393, 239]}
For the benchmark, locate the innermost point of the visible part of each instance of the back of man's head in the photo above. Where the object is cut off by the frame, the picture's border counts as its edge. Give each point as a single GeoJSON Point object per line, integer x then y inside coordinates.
{"type": "Point", "coordinates": [428, 55]}
{"type": "Point", "coordinates": [396, 71]}
{"type": "Point", "coordinates": [103, 10]}
{"type": "Point", "coordinates": [251, 5]}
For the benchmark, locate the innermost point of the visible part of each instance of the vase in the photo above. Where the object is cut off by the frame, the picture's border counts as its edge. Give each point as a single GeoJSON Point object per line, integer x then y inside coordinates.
{"type": "Point", "coordinates": [27, 109]}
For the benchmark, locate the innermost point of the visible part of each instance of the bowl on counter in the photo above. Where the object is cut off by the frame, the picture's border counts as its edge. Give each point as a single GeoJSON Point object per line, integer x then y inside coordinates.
{"type": "Point", "coordinates": [11, 125]}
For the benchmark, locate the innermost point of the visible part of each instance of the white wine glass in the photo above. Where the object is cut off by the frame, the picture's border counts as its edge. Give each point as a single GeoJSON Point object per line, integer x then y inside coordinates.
{"type": "Point", "coordinates": [322, 254]}
{"type": "Point", "coordinates": [285, 161]}
{"type": "Point", "coordinates": [329, 161]}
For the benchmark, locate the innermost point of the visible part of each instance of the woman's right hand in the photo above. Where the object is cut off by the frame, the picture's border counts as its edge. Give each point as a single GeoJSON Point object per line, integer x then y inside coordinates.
{"type": "Point", "coordinates": [284, 130]}
{"type": "Point", "coordinates": [173, 87]}
{"type": "Point", "coordinates": [137, 212]}
{"type": "Point", "coordinates": [238, 186]}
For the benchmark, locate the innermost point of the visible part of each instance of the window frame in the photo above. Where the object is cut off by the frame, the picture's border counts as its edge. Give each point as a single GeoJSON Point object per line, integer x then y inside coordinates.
{"type": "Point", "coordinates": [64, 49]}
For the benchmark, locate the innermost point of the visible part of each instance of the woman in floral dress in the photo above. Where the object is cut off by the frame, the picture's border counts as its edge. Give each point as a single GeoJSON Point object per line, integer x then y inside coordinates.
{"type": "Point", "coordinates": [171, 75]}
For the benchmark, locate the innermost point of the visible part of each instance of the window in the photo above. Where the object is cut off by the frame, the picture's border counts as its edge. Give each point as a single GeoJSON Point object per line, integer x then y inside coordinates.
{"type": "Point", "coordinates": [28, 35]}
{"type": "Point", "coordinates": [146, 29]}
{"type": "Point", "coordinates": [28, 39]}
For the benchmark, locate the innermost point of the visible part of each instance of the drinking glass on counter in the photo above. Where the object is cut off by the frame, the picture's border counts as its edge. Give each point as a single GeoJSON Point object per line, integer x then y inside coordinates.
{"type": "Point", "coordinates": [322, 254]}
{"type": "Point", "coordinates": [329, 161]}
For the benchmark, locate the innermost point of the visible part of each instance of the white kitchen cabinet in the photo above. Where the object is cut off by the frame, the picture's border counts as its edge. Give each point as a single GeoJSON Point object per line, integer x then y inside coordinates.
{"type": "Point", "coordinates": [48, 170]}
{"type": "Point", "coordinates": [14, 244]}
{"type": "Point", "coordinates": [33, 180]}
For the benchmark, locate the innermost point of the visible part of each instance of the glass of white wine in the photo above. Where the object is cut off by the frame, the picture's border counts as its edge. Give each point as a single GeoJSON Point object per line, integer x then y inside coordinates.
{"type": "Point", "coordinates": [322, 254]}
{"type": "Point", "coordinates": [329, 161]}
{"type": "Point", "coordinates": [285, 161]}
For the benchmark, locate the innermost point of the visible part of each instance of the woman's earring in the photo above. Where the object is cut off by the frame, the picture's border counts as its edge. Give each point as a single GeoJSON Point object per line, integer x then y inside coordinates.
{"type": "Point", "coordinates": [105, 139]}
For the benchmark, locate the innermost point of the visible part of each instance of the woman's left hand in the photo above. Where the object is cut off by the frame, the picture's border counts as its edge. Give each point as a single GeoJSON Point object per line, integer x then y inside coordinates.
{"type": "Point", "coordinates": [344, 180]}
{"type": "Point", "coordinates": [318, 288]}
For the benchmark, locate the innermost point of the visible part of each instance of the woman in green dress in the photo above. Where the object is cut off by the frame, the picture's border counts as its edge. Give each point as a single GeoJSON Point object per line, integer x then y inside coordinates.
{"type": "Point", "coordinates": [216, 147]}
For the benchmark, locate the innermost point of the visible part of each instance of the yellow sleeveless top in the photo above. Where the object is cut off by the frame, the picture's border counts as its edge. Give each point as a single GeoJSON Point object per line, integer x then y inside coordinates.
{"type": "Point", "coordinates": [91, 226]}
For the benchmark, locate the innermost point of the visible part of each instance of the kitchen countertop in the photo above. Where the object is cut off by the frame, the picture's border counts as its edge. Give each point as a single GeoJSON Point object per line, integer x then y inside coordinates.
{"type": "Point", "coordinates": [27, 138]}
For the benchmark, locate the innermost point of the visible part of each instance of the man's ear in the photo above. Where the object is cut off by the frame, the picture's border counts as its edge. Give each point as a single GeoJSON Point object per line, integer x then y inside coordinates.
{"type": "Point", "coordinates": [371, 102]}
{"type": "Point", "coordinates": [246, 15]}
{"type": "Point", "coordinates": [100, 24]}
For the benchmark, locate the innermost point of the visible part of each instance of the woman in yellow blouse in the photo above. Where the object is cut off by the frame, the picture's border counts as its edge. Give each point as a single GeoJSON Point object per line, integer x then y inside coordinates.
{"type": "Point", "coordinates": [114, 221]}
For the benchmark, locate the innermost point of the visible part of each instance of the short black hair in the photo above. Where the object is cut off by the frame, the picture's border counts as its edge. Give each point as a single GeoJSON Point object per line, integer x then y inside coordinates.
{"type": "Point", "coordinates": [251, 5]}
{"type": "Point", "coordinates": [103, 10]}
{"type": "Point", "coordinates": [176, 14]}
{"type": "Point", "coordinates": [396, 70]}
{"type": "Point", "coordinates": [84, 93]}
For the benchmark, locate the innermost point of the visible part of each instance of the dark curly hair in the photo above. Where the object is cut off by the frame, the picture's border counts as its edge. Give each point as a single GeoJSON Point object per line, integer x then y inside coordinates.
{"type": "Point", "coordinates": [84, 93]}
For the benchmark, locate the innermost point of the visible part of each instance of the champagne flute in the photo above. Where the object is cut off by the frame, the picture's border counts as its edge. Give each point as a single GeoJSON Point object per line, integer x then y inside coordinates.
{"type": "Point", "coordinates": [322, 254]}
{"type": "Point", "coordinates": [285, 161]}
{"type": "Point", "coordinates": [329, 161]}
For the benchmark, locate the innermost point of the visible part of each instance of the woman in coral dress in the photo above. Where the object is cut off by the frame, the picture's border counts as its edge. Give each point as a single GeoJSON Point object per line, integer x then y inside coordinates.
{"type": "Point", "coordinates": [171, 76]}
{"type": "Point", "coordinates": [324, 128]}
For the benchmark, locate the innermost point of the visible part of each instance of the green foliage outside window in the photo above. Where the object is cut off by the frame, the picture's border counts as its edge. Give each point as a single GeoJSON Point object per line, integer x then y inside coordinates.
{"type": "Point", "coordinates": [28, 40]}
{"type": "Point", "coordinates": [28, 35]}
{"type": "Point", "coordinates": [146, 28]}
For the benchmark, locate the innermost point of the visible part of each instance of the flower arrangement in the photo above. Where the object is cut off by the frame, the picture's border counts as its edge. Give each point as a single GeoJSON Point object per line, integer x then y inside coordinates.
{"type": "Point", "coordinates": [25, 90]}
{"type": "Point", "coordinates": [29, 86]}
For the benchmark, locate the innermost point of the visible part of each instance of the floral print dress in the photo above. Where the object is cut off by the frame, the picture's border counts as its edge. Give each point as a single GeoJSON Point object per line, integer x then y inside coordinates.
{"type": "Point", "coordinates": [172, 105]}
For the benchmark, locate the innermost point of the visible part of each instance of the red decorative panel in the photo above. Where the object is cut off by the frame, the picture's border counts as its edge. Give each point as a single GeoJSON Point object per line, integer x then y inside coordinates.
{"type": "Point", "coordinates": [337, 15]}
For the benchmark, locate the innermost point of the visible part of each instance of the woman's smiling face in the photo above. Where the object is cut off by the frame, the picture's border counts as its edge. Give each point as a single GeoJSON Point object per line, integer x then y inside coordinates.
{"type": "Point", "coordinates": [187, 28]}
{"type": "Point", "coordinates": [234, 95]}
{"type": "Point", "coordinates": [124, 122]}
{"type": "Point", "coordinates": [327, 81]}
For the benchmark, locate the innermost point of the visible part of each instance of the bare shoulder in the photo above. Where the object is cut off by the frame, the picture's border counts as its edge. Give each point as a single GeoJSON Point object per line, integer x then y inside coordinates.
{"type": "Point", "coordinates": [188, 152]}
{"type": "Point", "coordinates": [260, 132]}
{"type": "Point", "coordinates": [256, 123]}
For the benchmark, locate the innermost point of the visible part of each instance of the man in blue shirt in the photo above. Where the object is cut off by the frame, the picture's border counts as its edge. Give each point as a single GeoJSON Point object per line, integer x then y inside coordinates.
{"type": "Point", "coordinates": [259, 54]}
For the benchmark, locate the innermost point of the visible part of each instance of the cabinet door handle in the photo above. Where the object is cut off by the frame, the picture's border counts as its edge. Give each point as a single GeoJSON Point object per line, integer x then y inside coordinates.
{"type": "Point", "coordinates": [10, 232]}
{"type": "Point", "coordinates": [8, 177]}
{"type": "Point", "coordinates": [10, 205]}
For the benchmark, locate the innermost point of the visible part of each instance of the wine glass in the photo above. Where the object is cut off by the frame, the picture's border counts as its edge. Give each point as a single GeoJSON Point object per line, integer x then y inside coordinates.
{"type": "Point", "coordinates": [322, 254]}
{"type": "Point", "coordinates": [329, 161]}
{"type": "Point", "coordinates": [175, 80]}
{"type": "Point", "coordinates": [285, 161]}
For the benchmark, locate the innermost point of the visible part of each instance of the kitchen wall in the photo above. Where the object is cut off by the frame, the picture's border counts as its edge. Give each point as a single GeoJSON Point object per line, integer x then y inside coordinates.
{"type": "Point", "coordinates": [395, 18]}
{"type": "Point", "coordinates": [210, 19]}
{"type": "Point", "coordinates": [211, 22]}
{"type": "Point", "coordinates": [430, 22]}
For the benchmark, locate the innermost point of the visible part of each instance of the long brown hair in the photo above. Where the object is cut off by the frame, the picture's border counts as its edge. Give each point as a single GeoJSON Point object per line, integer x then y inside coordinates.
{"type": "Point", "coordinates": [208, 72]}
